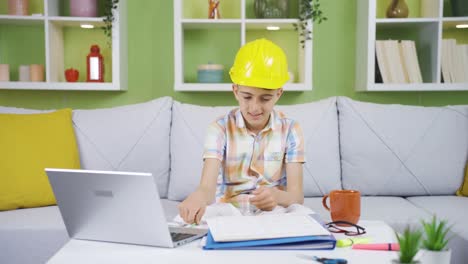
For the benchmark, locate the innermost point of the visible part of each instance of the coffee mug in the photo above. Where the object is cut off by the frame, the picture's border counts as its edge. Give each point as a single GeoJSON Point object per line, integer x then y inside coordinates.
{"type": "Point", "coordinates": [345, 205]}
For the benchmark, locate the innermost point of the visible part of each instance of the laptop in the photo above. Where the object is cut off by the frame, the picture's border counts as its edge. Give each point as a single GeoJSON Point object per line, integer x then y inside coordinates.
{"type": "Point", "coordinates": [112, 206]}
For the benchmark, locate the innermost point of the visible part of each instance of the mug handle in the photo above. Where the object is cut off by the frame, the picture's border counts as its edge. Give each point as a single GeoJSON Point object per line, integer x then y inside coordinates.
{"type": "Point", "coordinates": [324, 202]}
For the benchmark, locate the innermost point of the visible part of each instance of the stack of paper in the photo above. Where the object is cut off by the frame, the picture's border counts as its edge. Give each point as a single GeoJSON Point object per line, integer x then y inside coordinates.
{"type": "Point", "coordinates": [270, 231]}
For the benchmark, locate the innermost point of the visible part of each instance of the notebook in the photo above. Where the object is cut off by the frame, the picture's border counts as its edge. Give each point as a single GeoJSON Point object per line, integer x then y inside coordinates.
{"type": "Point", "coordinates": [114, 206]}
{"type": "Point", "coordinates": [322, 239]}
{"type": "Point", "coordinates": [267, 226]}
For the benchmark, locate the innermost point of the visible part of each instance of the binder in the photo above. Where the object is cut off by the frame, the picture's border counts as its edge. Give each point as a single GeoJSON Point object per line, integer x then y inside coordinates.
{"type": "Point", "coordinates": [291, 243]}
{"type": "Point", "coordinates": [318, 242]}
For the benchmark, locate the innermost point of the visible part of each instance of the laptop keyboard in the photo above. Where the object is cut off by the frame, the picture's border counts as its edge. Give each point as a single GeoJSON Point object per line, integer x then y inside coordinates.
{"type": "Point", "coordinates": [180, 236]}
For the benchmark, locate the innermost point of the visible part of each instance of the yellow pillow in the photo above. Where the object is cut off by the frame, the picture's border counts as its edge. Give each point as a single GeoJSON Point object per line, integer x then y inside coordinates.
{"type": "Point", "coordinates": [463, 191]}
{"type": "Point", "coordinates": [28, 144]}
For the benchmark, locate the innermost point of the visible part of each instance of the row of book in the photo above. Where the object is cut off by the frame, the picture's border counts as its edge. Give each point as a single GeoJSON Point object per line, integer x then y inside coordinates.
{"type": "Point", "coordinates": [454, 61]}
{"type": "Point", "coordinates": [397, 62]}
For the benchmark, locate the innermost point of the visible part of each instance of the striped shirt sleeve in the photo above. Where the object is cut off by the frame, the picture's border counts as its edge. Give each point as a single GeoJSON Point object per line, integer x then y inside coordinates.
{"type": "Point", "coordinates": [215, 142]}
{"type": "Point", "coordinates": [295, 144]}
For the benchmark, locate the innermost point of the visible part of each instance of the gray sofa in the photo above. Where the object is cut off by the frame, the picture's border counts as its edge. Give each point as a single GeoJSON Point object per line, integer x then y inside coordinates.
{"type": "Point", "coordinates": [407, 161]}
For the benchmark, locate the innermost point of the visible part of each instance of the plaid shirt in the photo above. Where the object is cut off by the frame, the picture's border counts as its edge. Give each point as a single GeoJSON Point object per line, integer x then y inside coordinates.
{"type": "Point", "coordinates": [249, 160]}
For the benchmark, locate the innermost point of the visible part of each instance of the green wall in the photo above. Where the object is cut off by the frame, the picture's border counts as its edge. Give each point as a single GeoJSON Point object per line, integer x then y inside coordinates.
{"type": "Point", "coordinates": [150, 53]}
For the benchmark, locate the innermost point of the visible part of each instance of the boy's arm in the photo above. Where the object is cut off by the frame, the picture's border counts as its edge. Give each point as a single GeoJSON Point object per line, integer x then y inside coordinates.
{"type": "Point", "coordinates": [208, 180]}
{"type": "Point", "coordinates": [193, 207]}
{"type": "Point", "coordinates": [294, 190]}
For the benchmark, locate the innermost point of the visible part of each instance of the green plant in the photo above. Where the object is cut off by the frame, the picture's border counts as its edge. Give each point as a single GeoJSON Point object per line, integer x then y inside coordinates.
{"type": "Point", "coordinates": [109, 7]}
{"type": "Point", "coordinates": [308, 10]}
{"type": "Point", "coordinates": [436, 233]}
{"type": "Point", "coordinates": [409, 244]}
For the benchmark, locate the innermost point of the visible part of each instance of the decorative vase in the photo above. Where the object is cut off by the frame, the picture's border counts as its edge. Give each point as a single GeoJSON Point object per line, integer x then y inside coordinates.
{"type": "Point", "coordinates": [397, 9]}
{"type": "Point", "coordinates": [4, 73]}
{"type": "Point", "coordinates": [83, 8]}
{"type": "Point", "coordinates": [435, 257]}
{"type": "Point", "coordinates": [18, 7]}
{"type": "Point", "coordinates": [36, 72]}
{"type": "Point", "coordinates": [24, 72]}
{"type": "Point", "coordinates": [271, 8]}
{"type": "Point", "coordinates": [459, 7]}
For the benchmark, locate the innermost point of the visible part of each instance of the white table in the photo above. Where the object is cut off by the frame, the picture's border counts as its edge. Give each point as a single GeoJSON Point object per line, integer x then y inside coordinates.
{"type": "Point", "coordinates": [81, 251]}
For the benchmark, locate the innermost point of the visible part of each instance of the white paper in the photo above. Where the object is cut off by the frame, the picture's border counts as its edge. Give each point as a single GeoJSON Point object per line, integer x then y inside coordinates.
{"type": "Point", "coordinates": [265, 226]}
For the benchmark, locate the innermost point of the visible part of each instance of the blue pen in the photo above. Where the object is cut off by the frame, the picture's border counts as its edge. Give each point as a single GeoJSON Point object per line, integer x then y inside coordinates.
{"type": "Point", "coordinates": [330, 260]}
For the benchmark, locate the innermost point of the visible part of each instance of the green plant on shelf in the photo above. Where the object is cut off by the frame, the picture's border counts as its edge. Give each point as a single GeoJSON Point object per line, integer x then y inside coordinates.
{"type": "Point", "coordinates": [308, 10]}
{"type": "Point", "coordinates": [436, 234]}
{"type": "Point", "coordinates": [109, 7]}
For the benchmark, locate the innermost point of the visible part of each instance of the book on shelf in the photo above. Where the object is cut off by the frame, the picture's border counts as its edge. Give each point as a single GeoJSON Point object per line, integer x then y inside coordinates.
{"type": "Point", "coordinates": [269, 231]}
{"type": "Point", "coordinates": [410, 59]}
{"type": "Point", "coordinates": [382, 61]}
{"type": "Point", "coordinates": [454, 61]}
{"type": "Point", "coordinates": [398, 61]}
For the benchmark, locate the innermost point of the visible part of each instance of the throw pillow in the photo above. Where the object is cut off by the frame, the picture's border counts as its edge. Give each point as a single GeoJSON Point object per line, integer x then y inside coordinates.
{"type": "Point", "coordinates": [29, 144]}
{"type": "Point", "coordinates": [463, 191]}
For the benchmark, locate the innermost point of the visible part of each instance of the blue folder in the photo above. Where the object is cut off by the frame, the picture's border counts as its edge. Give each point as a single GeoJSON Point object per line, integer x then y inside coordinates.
{"type": "Point", "coordinates": [291, 243]}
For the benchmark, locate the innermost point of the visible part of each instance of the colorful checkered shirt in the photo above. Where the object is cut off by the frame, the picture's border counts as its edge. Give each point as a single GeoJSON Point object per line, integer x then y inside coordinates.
{"type": "Point", "coordinates": [249, 160]}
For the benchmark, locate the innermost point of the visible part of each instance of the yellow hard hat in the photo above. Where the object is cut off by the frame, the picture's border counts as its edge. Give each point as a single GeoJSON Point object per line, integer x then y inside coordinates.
{"type": "Point", "coordinates": [260, 63]}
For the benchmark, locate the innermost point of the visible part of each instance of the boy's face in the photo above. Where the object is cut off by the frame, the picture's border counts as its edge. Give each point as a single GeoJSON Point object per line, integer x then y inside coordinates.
{"type": "Point", "coordinates": [256, 104]}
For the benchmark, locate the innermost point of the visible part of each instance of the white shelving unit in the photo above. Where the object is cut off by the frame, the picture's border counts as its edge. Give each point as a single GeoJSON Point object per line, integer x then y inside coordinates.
{"type": "Point", "coordinates": [303, 76]}
{"type": "Point", "coordinates": [54, 25]}
{"type": "Point", "coordinates": [427, 32]}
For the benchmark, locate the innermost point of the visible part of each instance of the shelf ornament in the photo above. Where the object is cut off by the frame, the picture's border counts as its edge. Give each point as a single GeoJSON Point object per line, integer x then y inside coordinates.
{"type": "Point", "coordinates": [213, 9]}
{"type": "Point", "coordinates": [95, 65]}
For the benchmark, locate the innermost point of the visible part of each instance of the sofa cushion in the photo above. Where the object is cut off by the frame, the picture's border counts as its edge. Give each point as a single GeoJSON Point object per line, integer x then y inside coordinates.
{"type": "Point", "coordinates": [319, 122]}
{"type": "Point", "coordinates": [189, 124]}
{"type": "Point", "coordinates": [395, 211]}
{"type": "Point", "coordinates": [320, 128]}
{"type": "Point", "coordinates": [402, 150]}
{"type": "Point", "coordinates": [39, 140]}
{"type": "Point", "coordinates": [31, 235]}
{"type": "Point", "coordinates": [127, 138]}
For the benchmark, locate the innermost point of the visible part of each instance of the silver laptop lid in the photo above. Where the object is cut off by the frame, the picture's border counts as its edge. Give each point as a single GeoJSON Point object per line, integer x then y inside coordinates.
{"type": "Point", "coordinates": [110, 206]}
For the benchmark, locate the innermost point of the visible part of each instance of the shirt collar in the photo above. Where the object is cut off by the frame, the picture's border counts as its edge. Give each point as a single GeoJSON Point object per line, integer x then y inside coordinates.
{"type": "Point", "coordinates": [274, 123]}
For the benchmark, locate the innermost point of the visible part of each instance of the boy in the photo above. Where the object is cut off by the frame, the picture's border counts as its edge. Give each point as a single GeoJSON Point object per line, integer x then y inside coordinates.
{"type": "Point", "coordinates": [256, 150]}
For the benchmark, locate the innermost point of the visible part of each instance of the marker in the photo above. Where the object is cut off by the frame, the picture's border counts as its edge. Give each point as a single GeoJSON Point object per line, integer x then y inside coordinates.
{"type": "Point", "coordinates": [347, 242]}
{"type": "Point", "coordinates": [380, 246]}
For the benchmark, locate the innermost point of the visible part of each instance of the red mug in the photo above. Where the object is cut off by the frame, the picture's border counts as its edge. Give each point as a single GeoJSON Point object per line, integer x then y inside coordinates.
{"type": "Point", "coordinates": [345, 205]}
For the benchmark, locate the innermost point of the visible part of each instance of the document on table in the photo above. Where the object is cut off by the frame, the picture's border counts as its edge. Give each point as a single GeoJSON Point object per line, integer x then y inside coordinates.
{"type": "Point", "coordinates": [241, 228]}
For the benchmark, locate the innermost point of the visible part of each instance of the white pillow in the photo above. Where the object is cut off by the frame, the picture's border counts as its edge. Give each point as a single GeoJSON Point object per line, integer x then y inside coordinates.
{"type": "Point", "coordinates": [402, 150]}
{"type": "Point", "coordinates": [127, 138]}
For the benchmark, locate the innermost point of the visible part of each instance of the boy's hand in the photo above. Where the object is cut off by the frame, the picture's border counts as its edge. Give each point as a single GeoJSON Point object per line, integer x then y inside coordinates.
{"type": "Point", "coordinates": [265, 198]}
{"type": "Point", "coordinates": [192, 208]}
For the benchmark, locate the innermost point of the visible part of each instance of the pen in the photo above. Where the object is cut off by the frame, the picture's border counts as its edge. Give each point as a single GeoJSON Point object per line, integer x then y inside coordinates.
{"type": "Point", "coordinates": [346, 242]}
{"type": "Point", "coordinates": [380, 246]}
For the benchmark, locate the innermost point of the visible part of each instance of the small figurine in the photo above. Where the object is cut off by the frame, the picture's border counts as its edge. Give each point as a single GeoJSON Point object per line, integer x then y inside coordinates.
{"type": "Point", "coordinates": [213, 11]}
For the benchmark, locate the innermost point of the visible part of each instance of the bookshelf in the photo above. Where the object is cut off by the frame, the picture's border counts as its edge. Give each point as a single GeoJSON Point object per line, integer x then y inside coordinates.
{"type": "Point", "coordinates": [198, 40]}
{"type": "Point", "coordinates": [48, 35]}
{"type": "Point", "coordinates": [427, 27]}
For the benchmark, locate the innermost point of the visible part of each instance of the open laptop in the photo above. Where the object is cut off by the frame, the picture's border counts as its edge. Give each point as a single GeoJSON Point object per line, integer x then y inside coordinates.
{"type": "Point", "coordinates": [113, 206]}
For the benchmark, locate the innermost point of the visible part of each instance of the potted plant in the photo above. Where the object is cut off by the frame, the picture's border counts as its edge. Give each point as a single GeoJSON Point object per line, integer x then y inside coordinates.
{"type": "Point", "coordinates": [409, 245]}
{"type": "Point", "coordinates": [434, 244]}
{"type": "Point", "coordinates": [308, 10]}
{"type": "Point", "coordinates": [109, 7]}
